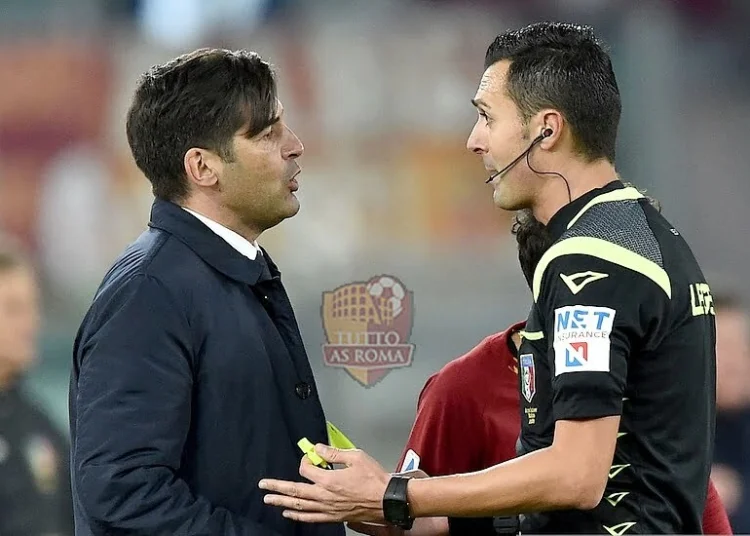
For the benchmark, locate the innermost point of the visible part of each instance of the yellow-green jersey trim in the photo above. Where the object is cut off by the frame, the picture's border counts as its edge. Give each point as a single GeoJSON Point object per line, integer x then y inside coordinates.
{"type": "Point", "coordinates": [596, 247]}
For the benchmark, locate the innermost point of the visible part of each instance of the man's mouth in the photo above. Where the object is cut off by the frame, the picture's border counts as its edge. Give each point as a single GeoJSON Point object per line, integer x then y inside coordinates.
{"type": "Point", "coordinates": [293, 184]}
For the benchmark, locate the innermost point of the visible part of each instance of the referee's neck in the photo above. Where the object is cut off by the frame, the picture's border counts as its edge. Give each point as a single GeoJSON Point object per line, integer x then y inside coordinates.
{"type": "Point", "coordinates": [582, 177]}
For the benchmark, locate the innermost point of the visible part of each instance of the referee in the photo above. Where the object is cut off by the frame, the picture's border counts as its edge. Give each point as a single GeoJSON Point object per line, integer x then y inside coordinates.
{"type": "Point", "coordinates": [468, 413]}
{"type": "Point", "coordinates": [617, 366]}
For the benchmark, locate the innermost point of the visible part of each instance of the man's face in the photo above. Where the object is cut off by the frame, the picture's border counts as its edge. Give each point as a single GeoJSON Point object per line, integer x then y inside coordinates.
{"type": "Point", "coordinates": [732, 359]}
{"type": "Point", "coordinates": [259, 185]}
{"type": "Point", "coordinates": [19, 320]}
{"type": "Point", "coordinates": [499, 136]}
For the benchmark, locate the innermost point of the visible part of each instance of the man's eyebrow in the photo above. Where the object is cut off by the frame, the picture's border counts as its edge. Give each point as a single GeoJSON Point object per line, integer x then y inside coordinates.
{"type": "Point", "coordinates": [250, 130]}
{"type": "Point", "coordinates": [479, 103]}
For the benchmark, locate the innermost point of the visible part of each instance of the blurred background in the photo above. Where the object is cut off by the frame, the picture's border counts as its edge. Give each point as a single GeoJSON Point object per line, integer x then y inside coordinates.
{"type": "Point", "coordinates": [379, 92]}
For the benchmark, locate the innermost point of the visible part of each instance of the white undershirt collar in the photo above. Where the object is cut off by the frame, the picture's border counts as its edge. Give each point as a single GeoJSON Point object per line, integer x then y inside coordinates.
{"type": "Point", "coordinates": [244, 246]}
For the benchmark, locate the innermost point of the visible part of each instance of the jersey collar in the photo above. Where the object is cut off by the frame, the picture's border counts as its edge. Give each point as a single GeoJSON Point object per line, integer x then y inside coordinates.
{"type": "Point", "coordinates": [559, 222]}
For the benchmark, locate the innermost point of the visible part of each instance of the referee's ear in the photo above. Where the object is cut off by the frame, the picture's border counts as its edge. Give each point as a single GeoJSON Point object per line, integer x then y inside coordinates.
{"type": "Point", "coordinates": [551, 120]}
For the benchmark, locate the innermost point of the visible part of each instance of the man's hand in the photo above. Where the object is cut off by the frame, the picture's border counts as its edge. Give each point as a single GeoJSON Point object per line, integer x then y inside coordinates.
{"type": "Point", "coordinates": [354, 493]}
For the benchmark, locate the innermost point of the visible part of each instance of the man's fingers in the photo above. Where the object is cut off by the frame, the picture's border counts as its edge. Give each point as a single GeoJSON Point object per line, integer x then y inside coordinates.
{"type": "Point", "coordinates": [334, 455]}
{"type": "Point", "coordinates": [296, 503]}
{"type": "Point", "coordinates": [311, 517]}
{"type": "Point", "coordinates": [290, 489]}
{"type": "Point", "coordinates": [312, 472]}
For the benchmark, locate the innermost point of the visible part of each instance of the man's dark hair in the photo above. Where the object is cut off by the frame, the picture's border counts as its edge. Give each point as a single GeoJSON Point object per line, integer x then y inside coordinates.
{"type": "Point", "coordinates": [565, 67]}
{"type": "Point", "coordinates": [200, 99]}
{"type": "Point", "coordinates": [533, 241]}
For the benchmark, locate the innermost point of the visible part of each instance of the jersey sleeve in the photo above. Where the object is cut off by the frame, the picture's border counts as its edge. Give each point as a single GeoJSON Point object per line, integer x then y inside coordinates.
{"type": "Point", "coordinates": [441, 439]}
{"type": "Point", "coordinates": [596, 311]}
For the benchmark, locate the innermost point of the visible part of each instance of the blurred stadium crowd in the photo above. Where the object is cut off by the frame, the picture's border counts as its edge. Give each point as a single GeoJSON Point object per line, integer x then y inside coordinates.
{"type": "Point", "coordinates": [379, 92]}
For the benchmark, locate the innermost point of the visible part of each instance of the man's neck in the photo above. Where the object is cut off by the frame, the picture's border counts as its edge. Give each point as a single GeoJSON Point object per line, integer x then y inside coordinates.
{"type": "Point", "coordinates": [222, 216]}
{"type": "Point", "coordinates": [582, 178]}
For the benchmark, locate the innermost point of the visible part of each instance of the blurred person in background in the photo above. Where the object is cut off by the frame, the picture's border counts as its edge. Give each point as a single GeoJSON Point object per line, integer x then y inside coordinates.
{"type": "Point", "coordinates": [620, 366]}
{"type": "Point", "coordinates": [190, 379]}
{"type": "Point", "coordinates": [731, 469]}
{"type": "Point", "coordinates": [35, 495]}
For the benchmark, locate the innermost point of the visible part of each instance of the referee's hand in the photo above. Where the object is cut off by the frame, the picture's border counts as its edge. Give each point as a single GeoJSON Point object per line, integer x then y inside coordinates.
{"type": "Point", "coordinates": [354, 493]}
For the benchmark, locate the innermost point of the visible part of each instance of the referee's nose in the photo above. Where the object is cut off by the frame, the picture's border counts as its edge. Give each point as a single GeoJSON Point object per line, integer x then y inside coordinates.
{"type": "Point", "coordinates": [477, 142]}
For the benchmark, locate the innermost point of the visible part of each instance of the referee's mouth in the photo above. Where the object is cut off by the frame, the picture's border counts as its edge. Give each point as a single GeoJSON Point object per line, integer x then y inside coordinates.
{"type": "Point", "coordinates": [491, 173]}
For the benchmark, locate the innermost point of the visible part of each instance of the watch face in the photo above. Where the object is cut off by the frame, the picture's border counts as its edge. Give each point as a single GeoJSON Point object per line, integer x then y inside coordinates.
{"type": "Point", "coordinates": [395, 511]}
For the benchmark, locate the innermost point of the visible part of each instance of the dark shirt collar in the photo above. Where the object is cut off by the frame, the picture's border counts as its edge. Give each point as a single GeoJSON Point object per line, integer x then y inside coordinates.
{"type": "Point", "coordinates": [558, 223]}
{"type": "Point", "coordinates": [210, 247]}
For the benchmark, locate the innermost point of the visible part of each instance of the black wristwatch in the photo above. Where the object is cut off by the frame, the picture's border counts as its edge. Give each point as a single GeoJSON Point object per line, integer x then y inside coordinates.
{"type": "Point", "coordinates": [396, 503]}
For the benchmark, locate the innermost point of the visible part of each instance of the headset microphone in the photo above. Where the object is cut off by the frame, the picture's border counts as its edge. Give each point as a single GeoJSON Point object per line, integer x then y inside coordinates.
{"type": "Point", "coordinates": [546, 133]}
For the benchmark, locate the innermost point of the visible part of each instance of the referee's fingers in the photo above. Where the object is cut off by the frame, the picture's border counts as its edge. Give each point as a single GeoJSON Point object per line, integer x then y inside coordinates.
{"type": "Point", "coordinates": [290, 489]}
{"type": "Point", "coordinates": [339, 456]}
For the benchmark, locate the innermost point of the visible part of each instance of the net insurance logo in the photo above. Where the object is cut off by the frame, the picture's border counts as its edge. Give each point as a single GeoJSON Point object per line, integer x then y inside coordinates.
{"type": "Point", "coordinates": [367, 326]}
{"type": "Point", "coordinates": [581, 338]}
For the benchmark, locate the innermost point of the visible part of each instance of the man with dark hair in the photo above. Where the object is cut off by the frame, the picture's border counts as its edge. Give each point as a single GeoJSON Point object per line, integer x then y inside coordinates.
{"type": "Point", "coordinates": [190, 380]}
{"type": "Point", "coordinates": [617, 362]}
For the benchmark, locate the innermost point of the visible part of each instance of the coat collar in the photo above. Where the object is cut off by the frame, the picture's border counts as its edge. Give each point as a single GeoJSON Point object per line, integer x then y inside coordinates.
{"type": "Point", "coordinates": [210, 247]}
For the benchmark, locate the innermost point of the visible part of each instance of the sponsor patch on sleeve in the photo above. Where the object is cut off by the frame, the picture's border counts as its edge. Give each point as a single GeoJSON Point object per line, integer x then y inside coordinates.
{"type": "Point", "coordinates": [411, 462]}
{"type": "Point", "coordinates": [582, 338]}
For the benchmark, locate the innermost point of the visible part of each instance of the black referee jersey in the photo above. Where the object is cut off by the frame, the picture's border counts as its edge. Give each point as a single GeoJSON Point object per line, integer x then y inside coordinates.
{"type": "Point", "coordinates": [623, 324]}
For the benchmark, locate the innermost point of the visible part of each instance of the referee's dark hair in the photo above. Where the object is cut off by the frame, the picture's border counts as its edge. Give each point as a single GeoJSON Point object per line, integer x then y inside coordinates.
{"type": "Point", "coordinates": [200, 99]}
{"type": "Point", "coordinates": [565, 67]}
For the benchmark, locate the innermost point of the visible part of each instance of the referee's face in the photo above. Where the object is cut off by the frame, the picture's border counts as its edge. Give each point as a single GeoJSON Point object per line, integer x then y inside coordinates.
{"type": "Point", "coordinates": [498, 137]}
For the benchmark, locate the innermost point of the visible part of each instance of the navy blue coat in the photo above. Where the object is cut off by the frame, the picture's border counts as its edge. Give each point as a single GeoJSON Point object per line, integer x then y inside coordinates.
{"type": "Point", "coordinates": [190, 383]}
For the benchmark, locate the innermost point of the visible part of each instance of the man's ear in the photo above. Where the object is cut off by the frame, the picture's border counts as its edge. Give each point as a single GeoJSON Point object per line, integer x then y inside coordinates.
{"type": "Point", "coordinates": [553, 121]}
{"type": "Point", "coordinates": [202, 167]}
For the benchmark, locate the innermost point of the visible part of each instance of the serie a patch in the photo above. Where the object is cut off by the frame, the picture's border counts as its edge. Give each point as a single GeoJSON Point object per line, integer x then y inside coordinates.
{"type": "Point", "coordinates": [581, 338]}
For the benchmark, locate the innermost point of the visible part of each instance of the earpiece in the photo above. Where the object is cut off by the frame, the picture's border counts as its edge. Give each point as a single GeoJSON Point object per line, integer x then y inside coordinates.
{"type": "Point", "coordinates": [546, 133]}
